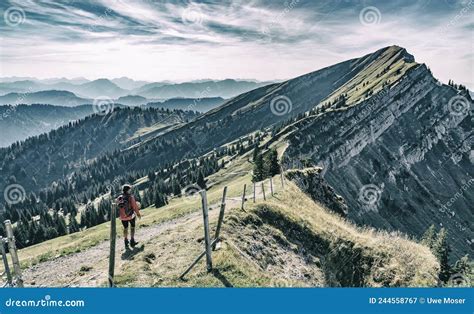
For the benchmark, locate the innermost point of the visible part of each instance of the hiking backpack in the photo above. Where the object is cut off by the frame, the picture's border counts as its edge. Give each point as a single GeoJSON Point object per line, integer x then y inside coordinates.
{"type": "Point", "coordinates": [124, 202]}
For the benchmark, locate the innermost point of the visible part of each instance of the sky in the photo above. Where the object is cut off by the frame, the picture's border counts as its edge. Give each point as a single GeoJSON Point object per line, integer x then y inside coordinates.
{"type": "Point", "coordinates": [264, 40]}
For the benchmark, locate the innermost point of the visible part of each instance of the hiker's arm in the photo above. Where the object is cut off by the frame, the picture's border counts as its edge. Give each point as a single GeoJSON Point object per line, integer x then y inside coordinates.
{"type": "Point", "coordinates": [135, 207]}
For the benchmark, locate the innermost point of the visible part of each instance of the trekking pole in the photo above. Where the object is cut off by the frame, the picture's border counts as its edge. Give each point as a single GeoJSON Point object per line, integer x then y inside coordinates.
{"type": "Point", "coordinates": [5, 262]}
{"type": "Point", "coordinates": [243, 197]}
{"type": "Point", "coordinates": [205, 214]}
{"type": "Point", "coordinates": [13, 253]}
{"type": "Point", "coordinates": [112, 247]}
{"type": "Point", "coordinates": [254, 192]}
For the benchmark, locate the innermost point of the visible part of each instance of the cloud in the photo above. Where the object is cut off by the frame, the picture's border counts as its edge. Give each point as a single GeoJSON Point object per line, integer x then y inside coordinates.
{"type": "Point", "coordinates": [179, 40]}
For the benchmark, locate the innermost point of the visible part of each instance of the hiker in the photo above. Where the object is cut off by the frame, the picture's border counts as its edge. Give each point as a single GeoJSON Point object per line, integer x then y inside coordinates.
{"type": "Point", "coordinates": [128, 209]}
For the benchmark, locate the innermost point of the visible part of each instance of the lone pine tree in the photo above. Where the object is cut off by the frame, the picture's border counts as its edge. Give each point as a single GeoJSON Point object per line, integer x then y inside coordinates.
{"type": "Point", "coordinates": [272, 166]}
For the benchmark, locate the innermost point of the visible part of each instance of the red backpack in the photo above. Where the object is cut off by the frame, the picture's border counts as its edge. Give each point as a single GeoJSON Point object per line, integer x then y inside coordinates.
{"type": "Point", "coordinates": [123, 201]}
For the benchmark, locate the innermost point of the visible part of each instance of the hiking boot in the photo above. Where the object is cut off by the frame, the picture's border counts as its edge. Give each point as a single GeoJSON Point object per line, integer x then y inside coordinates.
{"type": "Point", "coordinates": [125, 241]}
{"type": "Point", "coordinates": [133, 243]}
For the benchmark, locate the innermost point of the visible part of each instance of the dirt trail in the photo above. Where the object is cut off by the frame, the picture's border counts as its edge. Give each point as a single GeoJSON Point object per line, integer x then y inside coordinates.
{"type": "Point", "coordinates": [89, 267]}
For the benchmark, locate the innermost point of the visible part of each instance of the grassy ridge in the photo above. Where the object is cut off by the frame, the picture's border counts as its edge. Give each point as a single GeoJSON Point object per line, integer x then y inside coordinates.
{"type": "Point", "coordinates": [287, 240]}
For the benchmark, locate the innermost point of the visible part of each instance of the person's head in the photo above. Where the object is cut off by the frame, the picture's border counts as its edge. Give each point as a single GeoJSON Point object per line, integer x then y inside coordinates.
{"type": "Point", "coordinates": [127, 189]}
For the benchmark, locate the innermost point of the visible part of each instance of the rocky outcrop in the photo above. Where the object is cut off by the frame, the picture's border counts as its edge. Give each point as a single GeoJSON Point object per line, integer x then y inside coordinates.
{"type": "Point", "coordinates": [402, 159]}
{"type": "Point", "coordinates": [310, 181]}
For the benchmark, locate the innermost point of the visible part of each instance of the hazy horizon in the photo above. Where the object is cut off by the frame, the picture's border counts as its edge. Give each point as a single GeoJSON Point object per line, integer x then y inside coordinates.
{"type": "Point", "coordinates": [127, 77]}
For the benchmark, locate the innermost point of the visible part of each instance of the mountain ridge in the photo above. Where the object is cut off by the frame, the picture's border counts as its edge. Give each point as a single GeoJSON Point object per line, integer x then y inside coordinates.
{"type": "Point", "coordinates": [369, 132]}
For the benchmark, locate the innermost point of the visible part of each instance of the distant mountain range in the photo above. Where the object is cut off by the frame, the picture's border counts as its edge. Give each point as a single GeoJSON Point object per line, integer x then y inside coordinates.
{"type": "Point", "coordinates": [128, 91]}
{"type": "Point", "coordinates": [68, 99]}
{"type": "Point", "coordinates": [20, 122]}
{"type": "Point", "coordinates": [225, 89]}
{"type": "Point", "coordinates": [50, 97]}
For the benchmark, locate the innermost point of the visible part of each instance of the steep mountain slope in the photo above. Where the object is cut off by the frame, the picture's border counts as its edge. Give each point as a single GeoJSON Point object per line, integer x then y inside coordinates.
{"type": "Point", "coordinates": [20, 122]}
{"type": "Point", "coordinates": [251, 111]}
{"type": "Point", "coordinates": [402, 157]}
{"type": "Point", "coordinates": [40, 160]}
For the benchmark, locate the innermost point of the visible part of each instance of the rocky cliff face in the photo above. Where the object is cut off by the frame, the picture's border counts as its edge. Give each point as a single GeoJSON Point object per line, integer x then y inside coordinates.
{"type": "Point", "coordinates": [402, 158]}
{"type": "Point", "coordinates": [310, 181]}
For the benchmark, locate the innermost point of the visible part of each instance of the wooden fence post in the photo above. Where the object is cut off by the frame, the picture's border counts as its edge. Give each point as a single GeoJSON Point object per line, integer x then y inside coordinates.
{"type": "Point", "coordinates": [221, 218]}
{"type": "Point", "coordinates": [218, 229]}
{"type": "Point", "coordinates": [254, 192]}
{"type": "Point", "coordinates": [243, 196]}
{"type": "Point", "coordinates": [196, 261]}
{"type": "Point", "coordinates": [112, 246]}
{"type": "Point", "coordinates": [13, 253]}
{"type": "Point", "coordinates": [5, 262]}
{"type": "Point", "coordinates": [207, 241]}
{"type": "Point", "coordinates": [263, 191]}
{"type": "Point", "coordinates": [271, 185]}
{"type": "Point", "coordinates": [281, 177]}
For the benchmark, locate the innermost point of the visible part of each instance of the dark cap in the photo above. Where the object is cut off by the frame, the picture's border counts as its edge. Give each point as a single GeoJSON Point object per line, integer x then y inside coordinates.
{"type": "Point", "coordinates": [126, 188]}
